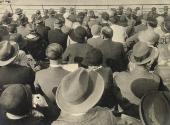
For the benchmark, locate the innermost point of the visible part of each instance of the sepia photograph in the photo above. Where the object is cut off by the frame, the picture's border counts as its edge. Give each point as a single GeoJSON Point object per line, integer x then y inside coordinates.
{"type": "Point", "coordinates": [84, 62]}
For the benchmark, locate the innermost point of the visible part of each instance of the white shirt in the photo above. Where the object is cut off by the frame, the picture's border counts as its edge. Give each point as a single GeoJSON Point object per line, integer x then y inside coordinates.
{"type": "Point", "coordinates": [119, 33]}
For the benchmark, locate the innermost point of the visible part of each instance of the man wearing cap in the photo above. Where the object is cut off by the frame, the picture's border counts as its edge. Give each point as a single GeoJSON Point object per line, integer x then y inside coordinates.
{"type": "Point", "coordinates": [143, 57]}
{"type": "Point", "coordinates": [153, 13]}
{"type": "Point", "coordinates": [57, 35]}
{"type": "Point", "coordinates": [19, 13]}
{"type": "Point", "coordinates": [113, 52]}
{"type": "Point", "coordinates": [77, 96]}
{"type": "Point", "coordinates": [49, 22]}
{"type": "Point", "coordinates": [76, 52]}
{"type": "Point", "coordinates": [16, 103]}
{"type": "Point", "coordinates": [11, 73]}
{"type": "Point", "coordinates": [61, 12]}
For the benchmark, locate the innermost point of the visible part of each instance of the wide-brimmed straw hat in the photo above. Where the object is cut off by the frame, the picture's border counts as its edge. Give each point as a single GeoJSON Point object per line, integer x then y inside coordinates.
{"type": "Point", "coordinates": [79, 91]}
{"type": "Point", "coordinates": [142, 53]}
{"type": "Point", "coordinates": [8, 52]}
{"type": "Point", "coordinates": [155, 108]}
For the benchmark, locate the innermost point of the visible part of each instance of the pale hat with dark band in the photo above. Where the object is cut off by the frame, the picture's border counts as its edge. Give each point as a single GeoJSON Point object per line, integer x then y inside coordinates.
{"type": "Point", "coordinates": [8, 52]}
{"type": "Point", "coordinates": [79, 91]}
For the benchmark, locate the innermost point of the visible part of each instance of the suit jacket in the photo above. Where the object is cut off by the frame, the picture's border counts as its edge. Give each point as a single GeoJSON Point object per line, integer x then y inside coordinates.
{"type": "Point", "coordinates": [46, 83]}
{"type": "Point", "coordinates": [113, 55]}
{"type": "Point", "coordinates": [16, 74]}
{"type": "Point", "coordinates": [75, 53]}
{"type": "Point", "coordinates": [95, 42]}
{"type": "Point", "coordinates": [49, 22]}
{"type": "Point", "coordinates": [125, 79]}
{"type": "Point", "coordinates": [57, 36]}
{"type": "Point", "coordinates": [96, 116]}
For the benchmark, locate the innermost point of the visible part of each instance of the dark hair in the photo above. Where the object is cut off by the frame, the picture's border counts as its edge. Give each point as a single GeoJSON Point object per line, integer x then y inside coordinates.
{"type": "Point", "coordinates": [152, 22]}
{"type": "Point", "coordinates": [94, 57]}
{"type": "Point", "coordinates": [107, 32]}
{"type": "Point", "coordinates": [80, 17]}
{"type": "Point", "coordinates": [54, 51]}
{"type": "Point", "coordinates": [105, 16]}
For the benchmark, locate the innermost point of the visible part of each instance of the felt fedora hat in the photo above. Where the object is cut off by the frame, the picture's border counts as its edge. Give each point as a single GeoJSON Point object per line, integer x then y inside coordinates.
{"type": "Point", "coordinates": [154, 108]}
{"type": "Point", "coordinates": [142, 86]}
{"type": "Point", "coordinates": [79, 91]}
{"type": "Point", "coordinates": [18, 11]}
{"type": "Point", "coordinates": [16, 99]}
{"type": "Point", "coordinates": [8, 52]}
{"type": "Point", "coordinates": [142, 53]}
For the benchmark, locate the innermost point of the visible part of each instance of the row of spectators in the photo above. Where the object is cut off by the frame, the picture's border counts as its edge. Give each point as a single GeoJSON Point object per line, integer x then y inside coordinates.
{"type": "Point", "coordinates": [84, 68]}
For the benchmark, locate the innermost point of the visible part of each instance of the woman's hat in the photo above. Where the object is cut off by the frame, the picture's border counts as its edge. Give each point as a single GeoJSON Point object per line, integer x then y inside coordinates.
{"type": "Point", "coordinates": [8, 52]}
{"type": "Point", "coordinates": [142, 53]}
{"type": "Point", "coordinates": [155, 108]}
{"type": "Point", "coordinates": [79, 91]}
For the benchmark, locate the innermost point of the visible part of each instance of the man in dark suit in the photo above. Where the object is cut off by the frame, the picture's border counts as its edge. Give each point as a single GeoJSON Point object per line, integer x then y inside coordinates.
{"type": "Point", "coordinates": [57, 35]}
{"type": "Point", "coordinates": [113, 52]}
{"type": "Point", "coordinates": [12, 73]}
{"type": "Point", "coordinates": [76, 52]}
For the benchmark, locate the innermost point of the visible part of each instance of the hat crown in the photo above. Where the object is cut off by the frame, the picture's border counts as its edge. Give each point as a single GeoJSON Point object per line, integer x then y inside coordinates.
{"type": "Point", "coordinates": [75, 86]}
{"type": "Point", "coordinates": [5, 50]}
{"type": "Point", "coordinates": [141, 49]}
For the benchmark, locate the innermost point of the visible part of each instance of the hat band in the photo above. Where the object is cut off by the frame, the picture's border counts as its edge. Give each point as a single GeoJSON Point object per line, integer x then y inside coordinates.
{"type": "Point", "coordinates": [140, 59]}
{"type": "Point", "coordinates": [9, 55]}
{"type": "Point", "coordinates": [84, 96]}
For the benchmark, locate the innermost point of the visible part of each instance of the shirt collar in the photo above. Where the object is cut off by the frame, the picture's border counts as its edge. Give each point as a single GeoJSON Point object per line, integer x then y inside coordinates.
{"type": "Point", "coordinates": [55, 65]}
{"type": "Point", "coordinates": [15, 117]}
{"type": "Point", "coordinates": [96, 36]}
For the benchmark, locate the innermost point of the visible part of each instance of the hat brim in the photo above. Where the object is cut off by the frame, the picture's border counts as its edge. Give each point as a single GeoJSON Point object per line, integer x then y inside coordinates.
{"type": "Point", "coordinates": [16, 51]}
{"type": "Point", "coordinates": [145, 106]}
{"type": "Point", "coordinates": [91, 101]}
{"type": "Point", "coordinates": [153, 55]}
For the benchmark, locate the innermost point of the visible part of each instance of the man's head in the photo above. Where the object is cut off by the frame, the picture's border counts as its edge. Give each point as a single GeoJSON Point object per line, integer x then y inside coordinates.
{"type": "Point", "coordinates": [120, 10]}
{"type": "Point", "coordinates": [153, 10]}
{"type": "Point", "coordinates": [129, 11]}
{"type": "Point", "coordinates": [58, 23]}
{"type": "Point", "coordinates": [96, 30]}
{"type": "Point", "coordinates": [107, 32]}
{"type": "Point", "coordinates": [19, 11]}
{"type": "Point", "coordinates": [62, 10]}
{"type": "Point", "coordinates": [17, 100]}
{"type": "Point", "coordinates": [54, 51]}
{"type": "Point", "coordinates": [105, 16]}
{"type": "Point", "coordinates": [152, 22]}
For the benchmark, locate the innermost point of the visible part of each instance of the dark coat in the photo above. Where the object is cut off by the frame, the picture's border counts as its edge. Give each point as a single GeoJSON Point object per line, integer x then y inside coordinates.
{"type": "Point", "coordinates": [57, 36]}
{"type": "Point", "coordinates": [16, 74]}
{"type": "Point", "coordinates": [113, 55]}
{"type": "Point", "coordinates": [75, 53]}
{"type": "Point", "coordinates": [42, 31]}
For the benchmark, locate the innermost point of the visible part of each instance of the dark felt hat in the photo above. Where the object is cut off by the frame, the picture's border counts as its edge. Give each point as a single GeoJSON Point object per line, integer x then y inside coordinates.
{"type": "Point", "coordinates": [8, 52]}
{"type": "Point", "coordinates": [142, 86]}
{"type": "Point", "coordinates": [155, 108]}
{"type": "Point", "coordinates": [51, 12]}
{"type": "Point", "coordinates": [79, 91]}
{"type": "Point", "coordinates": [18, 11]}
{"type": "Point", "coordinates": [78, 34]}
{"type": "Point", "coordinates": [142, 53]}
{"type": "Point", "coordinates": [16, 99]}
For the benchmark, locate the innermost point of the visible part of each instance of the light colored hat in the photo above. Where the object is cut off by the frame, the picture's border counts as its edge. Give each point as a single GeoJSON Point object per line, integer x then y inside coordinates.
{"type": "Point", "coordinates": [142, 53]}
{"type": "Point", "coordinates": [79, 91]}
{"type": "Point", "coordinates": [8, 52]}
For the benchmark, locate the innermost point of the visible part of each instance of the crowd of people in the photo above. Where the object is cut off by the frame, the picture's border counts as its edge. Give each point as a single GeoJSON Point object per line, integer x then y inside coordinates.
{"type": "Point", "coordinates": [85, 68]}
